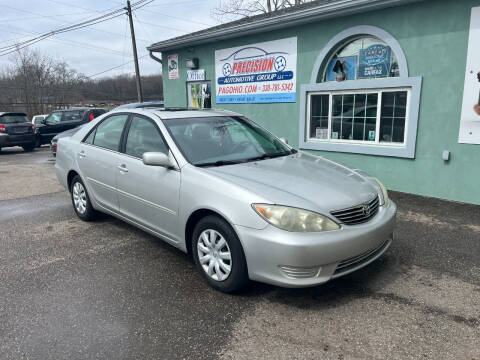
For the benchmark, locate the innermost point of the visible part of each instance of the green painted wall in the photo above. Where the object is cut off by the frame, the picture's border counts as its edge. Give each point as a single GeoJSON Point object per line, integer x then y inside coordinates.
{"type": "Point", "coordinates": [434, 37]}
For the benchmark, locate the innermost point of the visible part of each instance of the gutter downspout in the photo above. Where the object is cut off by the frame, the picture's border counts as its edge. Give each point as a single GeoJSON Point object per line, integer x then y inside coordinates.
{"type": "Point", "coordinates": [154, 57]}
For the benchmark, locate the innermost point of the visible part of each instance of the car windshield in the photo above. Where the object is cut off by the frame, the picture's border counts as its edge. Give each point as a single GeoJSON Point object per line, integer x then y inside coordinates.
{"type": "Point", "coordinates": [216, 141]}
{"type": "Point", "coordinates": [13, 119]}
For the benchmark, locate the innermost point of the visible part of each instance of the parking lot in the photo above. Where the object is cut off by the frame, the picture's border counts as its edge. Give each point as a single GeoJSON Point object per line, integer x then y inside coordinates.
{"type": "Point", "coordinates": [105, 289]}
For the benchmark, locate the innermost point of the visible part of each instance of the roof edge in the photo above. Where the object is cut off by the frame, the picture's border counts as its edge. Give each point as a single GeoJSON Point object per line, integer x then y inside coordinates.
{"type": "Point", "coordinates": [274, 22]}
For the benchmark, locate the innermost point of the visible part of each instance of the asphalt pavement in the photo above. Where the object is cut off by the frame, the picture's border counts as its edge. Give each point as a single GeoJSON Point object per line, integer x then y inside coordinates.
{"type": "Point", "coordinates": [106, 290]}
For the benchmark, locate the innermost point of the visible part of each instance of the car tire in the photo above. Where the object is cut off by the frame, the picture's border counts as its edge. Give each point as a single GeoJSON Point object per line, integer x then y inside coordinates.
{"type": "Point", "coordinates": [38, 142]}
{"type": "Point", "coordinates": [81, 201]}
{"type": "Point", "coordinates": [223, 257]}
{"type": "Point", "coordinates": [29, 147]}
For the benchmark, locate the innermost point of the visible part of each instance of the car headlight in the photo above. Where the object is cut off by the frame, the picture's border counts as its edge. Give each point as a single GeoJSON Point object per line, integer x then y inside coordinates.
{"type": "Point", "coordinates": [385, 198]}
{"type": "Point", "coordinates": [294, 219]}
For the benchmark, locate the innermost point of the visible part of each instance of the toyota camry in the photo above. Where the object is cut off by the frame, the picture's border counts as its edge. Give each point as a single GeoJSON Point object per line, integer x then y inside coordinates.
{"type": "Point", "coordinates": [239, 200]}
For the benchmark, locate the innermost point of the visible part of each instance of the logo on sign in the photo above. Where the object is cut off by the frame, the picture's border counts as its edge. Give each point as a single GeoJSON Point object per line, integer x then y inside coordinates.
{"type": "Point", "coordinates": [251, 60]}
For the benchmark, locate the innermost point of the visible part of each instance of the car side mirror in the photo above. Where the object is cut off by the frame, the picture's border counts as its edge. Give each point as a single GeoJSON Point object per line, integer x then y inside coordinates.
{"type": "Point", "coordinates": [157, 159]}
{"type": "Point", "coordinates": [44, 121]}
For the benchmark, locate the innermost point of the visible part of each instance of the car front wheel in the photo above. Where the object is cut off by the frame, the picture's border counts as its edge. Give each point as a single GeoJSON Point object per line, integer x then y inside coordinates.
{"type": "Point", "coordinates": [218, 254]}
{"type": "Point", "coordinates": [80, 200]}
{"type": "Point", "coordinates": [29, 147]}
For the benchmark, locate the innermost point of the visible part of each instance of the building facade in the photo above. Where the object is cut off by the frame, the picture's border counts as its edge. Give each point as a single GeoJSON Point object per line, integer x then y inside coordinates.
{"type": "Point", "coordinates": [376, 85]}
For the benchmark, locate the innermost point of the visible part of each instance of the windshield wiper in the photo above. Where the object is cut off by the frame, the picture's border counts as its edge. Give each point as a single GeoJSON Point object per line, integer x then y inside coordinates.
{"type": "Point", "coordinates": [220, 163]}
{"type": "Point", "coordinates": [269, 156]}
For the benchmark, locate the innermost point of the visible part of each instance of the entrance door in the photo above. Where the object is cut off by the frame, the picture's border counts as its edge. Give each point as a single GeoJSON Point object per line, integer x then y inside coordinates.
{"type": "Point", "coordinates": [199, 95]}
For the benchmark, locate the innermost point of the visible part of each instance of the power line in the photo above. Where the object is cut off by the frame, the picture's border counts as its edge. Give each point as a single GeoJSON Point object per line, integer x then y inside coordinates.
{"type": "Point", "coordinates": [115, 67]}
{"type": "Point", "coordinates": [5, 50]}
{"type": "Point", "coordinates": [64, 22]}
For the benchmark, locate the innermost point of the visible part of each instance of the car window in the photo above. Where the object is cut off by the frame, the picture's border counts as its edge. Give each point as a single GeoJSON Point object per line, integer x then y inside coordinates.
{"type": "Point", "coordinates": [73, 115]}
{"type": "Point", "coordinates": [109, 132]}
{"type": "Point", "coordinates": [211, 140]}
{"type": "Point", "coordinates": [89, 139]}
{"type": "Point", "coordinates": [144, 136]}
{"type": "Point", "coordinates": [38, 120]}
{"type": "Point", "coordinates": [54, 117]}
{"type": "Point", "coordinates": [13, 119]}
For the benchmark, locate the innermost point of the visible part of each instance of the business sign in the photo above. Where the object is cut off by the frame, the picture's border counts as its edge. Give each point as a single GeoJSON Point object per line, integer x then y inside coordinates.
{"type": "Point", "coordinates": [470, 117]}
{"type": "Point", "coordinates": [196, 75]}
{"type": "Point", "coordinates": [374, 61]}
{"type": "Point", "coordinates": [172, 63]}
{"type": "Point", "coordinates": [257, 73]}
{"type": "Point", "coordinates": [342, 68]}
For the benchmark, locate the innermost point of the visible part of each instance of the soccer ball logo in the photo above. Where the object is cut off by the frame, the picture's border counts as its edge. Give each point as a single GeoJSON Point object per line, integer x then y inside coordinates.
{"type": "Point", "coordinates": [280, 63]}
{"type": "Point", "coordinates": [227, 69]}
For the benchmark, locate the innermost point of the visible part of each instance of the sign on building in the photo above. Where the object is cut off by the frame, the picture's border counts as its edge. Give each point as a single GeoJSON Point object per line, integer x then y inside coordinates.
{"type": "Point", "coordinates": [172, 63]}
{"type": "Point", "coordinates": [196, 75]}
{"type": "Point", "coordinates": [257, 73]}
{"type": "Point", "coordinates": [470, 117]}
{"type": "Point", "coordinates": [374, 61]}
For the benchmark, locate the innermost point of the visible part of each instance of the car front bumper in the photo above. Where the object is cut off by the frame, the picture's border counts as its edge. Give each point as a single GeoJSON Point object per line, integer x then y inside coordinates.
{"type": "Point", "coordinates": [290, 259]}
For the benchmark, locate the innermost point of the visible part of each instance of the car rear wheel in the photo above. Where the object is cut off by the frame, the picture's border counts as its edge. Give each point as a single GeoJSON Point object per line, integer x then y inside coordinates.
{"type": "Point", "coordinates": [38, 142]}
{"type": "Point", "coordinates": [29, 147]}
{"type": "Point", "coordinates": [218, 254]}
{"type": "Point", "coordinates": [80, 200]}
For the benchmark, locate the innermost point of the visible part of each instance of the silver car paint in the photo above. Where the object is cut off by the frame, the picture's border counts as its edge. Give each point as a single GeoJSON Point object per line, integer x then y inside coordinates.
{"type": "Point", "coordinates": [301, 180]}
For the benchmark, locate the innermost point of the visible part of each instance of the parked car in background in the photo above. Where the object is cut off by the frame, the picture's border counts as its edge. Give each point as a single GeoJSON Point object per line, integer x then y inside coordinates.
{"type": "Point", "coordinates": [61, 120]}
{"type": "Point", "coordinates": [68, 133]}
{"type": "Point", "coordinates": [138, 105]}
{"type": "Point", "coordinates": [16, 130]}
{"type": "Point", "coordinates": [241, 201]}
{"type": "Point", "coordinates": [37, 119]}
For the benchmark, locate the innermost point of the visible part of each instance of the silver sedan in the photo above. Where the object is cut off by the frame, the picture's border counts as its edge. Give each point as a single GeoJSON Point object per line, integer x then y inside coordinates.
{"type": "Point", "coordinates": [239, 200]}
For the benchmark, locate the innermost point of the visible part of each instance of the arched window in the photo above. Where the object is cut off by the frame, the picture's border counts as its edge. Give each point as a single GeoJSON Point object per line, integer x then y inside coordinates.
{"type": "Point", "coordinates": [361, 99]}
{"type": "Point", "coordinates": [363, 57]}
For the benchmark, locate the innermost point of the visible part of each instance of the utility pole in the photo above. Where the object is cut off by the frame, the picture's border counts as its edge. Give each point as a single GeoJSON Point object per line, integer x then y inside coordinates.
{"type": "Point", "coordinates": [135, 57]}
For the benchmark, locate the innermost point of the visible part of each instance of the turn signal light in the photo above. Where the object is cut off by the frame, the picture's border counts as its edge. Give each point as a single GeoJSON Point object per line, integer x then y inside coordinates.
{"type": "Point", "coordinates": [2, 128]}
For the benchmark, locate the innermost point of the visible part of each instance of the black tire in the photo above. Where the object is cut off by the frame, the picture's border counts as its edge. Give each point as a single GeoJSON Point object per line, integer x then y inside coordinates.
{"type": "Point", "coordinates": [38, 142]}
{"type": "Point", "coordinates": [29, 147]}
{"type": "Point", "coordinates": [90, 213]}
{"type": "Point", "coordinates": [238, 276]}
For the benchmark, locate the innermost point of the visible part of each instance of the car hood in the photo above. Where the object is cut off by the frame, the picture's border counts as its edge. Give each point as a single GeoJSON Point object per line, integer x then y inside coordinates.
{"type": "Point", "coordinates": [301, 180]}
{"type": "Point", "coordinates": [67, 133]}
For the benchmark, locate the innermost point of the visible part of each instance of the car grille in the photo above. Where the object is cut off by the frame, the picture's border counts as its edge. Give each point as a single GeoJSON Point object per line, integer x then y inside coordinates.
{"type": "Point", "coordinates": [358, 214]}
{"type": "Point", "coordinates": [350, 263]}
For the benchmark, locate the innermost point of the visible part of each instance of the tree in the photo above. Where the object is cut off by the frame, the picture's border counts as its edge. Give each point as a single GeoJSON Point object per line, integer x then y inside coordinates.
{"type": "Point", "coordinates": [231, 9]}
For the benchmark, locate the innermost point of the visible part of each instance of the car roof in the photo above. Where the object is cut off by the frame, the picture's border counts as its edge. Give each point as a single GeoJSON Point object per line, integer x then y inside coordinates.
{"type": "Point", "coordinates": [12, 113]}
{"type": "Point", "coordinates": [181, 113]}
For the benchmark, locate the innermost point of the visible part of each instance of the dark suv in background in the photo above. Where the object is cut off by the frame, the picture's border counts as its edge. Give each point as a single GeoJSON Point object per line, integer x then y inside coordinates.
{"type": "Point", "coordinates": [62, 120]}
{"type": "Point", "coordinates": [16, 130]}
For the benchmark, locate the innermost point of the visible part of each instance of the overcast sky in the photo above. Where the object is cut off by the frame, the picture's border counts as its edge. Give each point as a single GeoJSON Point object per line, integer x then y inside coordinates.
{"type": "Point", "coordinates": [94, 49]}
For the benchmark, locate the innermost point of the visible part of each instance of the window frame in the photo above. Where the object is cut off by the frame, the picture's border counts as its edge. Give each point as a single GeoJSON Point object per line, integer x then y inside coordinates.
{"type": "Point", "coordinates": [83, 141]}
{"type": "Point", "coordinates": [126, 130]}
{"type": "Point", "coordinates": [377, 141]}
{"type": "Point", "coordinates": [405, 150]}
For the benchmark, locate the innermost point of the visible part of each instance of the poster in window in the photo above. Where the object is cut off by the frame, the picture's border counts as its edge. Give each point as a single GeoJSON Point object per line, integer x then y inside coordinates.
{"type": "Point", "coordinates": [199, 95]}
{"type": "Point", "coordinates": [470, 116]}
{"type": "Point", "coordinates": [374, 61]}
{"type": "Point", "coordinates": [172, 63]}
{"type": "Point", "coordinates": [342, 68]}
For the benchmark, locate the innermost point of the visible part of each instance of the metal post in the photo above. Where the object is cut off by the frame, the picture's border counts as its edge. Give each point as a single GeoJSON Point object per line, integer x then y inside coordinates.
{"type": "Point", "coordinates": [135, 58]}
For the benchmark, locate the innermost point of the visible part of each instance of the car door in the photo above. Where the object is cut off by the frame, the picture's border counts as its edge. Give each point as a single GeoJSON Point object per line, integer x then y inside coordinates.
{"type": "Point", "coordinates": [53, 126]}
{"type": "Point", "coordinates": [147, 194]}
{"type": "Point", "coordinates": [71, 119]}
{"type": "Point", "coordinates": [98, 158]}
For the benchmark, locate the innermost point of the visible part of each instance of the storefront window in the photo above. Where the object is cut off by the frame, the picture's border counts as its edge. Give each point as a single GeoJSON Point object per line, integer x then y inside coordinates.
{"type": "Point", "coordinates": [376, 116]}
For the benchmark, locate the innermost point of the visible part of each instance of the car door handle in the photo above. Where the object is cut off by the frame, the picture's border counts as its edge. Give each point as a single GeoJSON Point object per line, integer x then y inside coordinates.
{"type": "Point", "coordinates": [81, 154]}
{"type": "Point", "coordinates": [122, 168]}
